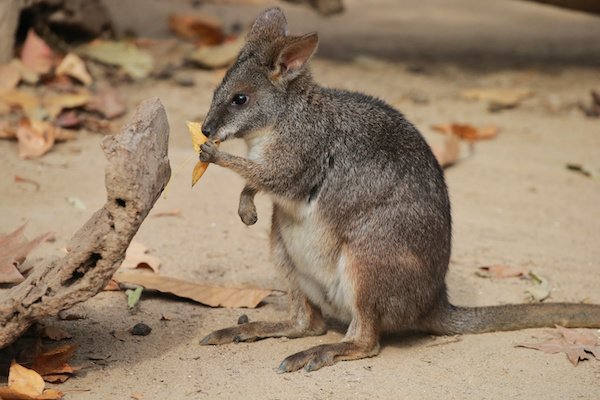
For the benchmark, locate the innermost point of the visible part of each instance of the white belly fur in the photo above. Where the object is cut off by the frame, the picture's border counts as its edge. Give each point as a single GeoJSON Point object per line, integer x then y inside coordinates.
{"type": "Point", "coordinates": [319, 259]}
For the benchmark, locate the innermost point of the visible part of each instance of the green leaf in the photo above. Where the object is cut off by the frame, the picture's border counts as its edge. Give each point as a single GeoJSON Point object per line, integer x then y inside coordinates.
{"type": "Point", "coordinates": [137, 63]}
{"type": "Point", "coordinates": [133, 296]}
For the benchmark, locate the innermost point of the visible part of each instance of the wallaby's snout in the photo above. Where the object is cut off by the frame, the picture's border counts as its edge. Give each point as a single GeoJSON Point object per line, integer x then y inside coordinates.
{"type": "Point", "coordinates": [207, 128]}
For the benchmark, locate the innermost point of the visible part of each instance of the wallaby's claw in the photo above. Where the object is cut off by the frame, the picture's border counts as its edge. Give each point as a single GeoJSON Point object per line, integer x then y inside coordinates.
{"type": "Point", "coordinates": [209, 152]}
{"type": "Point", "coordinates": [249, 217]}
{"type": "Point", "coordinates": [308, 360]}
{"type": "Point", "coordinates": [222, 336]}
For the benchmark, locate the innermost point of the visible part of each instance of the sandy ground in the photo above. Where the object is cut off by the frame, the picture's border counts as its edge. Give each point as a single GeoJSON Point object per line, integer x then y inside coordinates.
{"type": "Point", "coordinates": [514, 203]}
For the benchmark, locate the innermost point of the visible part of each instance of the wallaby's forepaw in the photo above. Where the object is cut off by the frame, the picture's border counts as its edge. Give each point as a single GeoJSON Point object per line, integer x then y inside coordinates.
{"type": "Point", "coordinates": [248, 214]}
{"type": "Point", "coordinates": [209, 153]}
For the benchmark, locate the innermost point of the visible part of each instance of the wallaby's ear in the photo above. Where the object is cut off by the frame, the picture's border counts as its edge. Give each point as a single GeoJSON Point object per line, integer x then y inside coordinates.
{"type": "Point", "coordinates": [294, 55]}
{"type": "Point", "coordinates": [271, 24]}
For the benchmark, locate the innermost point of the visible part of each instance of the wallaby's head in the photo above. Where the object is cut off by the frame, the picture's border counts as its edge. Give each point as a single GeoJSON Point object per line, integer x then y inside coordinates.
{"type": "Point", "coordinates": [270, 66]}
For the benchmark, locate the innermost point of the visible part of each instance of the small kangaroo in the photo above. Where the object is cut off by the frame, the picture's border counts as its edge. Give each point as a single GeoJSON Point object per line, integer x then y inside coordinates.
{"type": "Point", "coordinates": [361, 215]}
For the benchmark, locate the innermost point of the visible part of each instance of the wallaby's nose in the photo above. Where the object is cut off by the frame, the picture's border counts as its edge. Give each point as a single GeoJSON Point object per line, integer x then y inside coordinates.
{"type": "Point", "coordinates": [206, 129]}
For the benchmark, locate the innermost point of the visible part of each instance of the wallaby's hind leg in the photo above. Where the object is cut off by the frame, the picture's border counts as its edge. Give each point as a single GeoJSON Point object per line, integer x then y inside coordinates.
{"type": "Point", "coordinates": [305, 320]}
{"type": "Point", "coordinates": [361, 341]}
{"type": "Point", "coordinates": [247, 209]}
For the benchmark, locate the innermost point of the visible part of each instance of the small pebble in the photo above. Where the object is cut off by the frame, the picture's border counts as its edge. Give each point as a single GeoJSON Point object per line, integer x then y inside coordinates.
{"type": "Point", "coordinates": [243, 319]}
{"type": "Point", "coordinates": [141, 330]}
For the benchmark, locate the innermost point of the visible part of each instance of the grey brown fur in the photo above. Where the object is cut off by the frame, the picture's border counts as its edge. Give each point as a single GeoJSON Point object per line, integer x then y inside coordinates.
{"type": "Point", "coordinates": [361, 217]}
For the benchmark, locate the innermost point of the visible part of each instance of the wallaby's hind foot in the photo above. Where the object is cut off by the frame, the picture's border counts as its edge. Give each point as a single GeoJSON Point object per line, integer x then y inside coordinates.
{"type": "Point", "coordinates": [253, 331]}
{"type": "Point", "coordinates": [327, 354]}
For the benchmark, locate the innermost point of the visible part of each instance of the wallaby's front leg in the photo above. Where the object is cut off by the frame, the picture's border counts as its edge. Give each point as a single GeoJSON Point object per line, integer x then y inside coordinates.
{"type": "Point", "coordinates": [257, 175]}
{"type": "Point", "coordinates": [306, 320]}
{"type": "Point", "coordinates": [247, 209]}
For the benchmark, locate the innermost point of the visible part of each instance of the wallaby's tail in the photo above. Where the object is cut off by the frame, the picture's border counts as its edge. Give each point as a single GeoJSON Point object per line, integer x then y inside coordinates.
{"type": "Point", "coordinates": [452, 320]}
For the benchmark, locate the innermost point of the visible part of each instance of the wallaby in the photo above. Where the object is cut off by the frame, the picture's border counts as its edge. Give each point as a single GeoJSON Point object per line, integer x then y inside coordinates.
{"type": "Point", "coordinates": [361, 215]}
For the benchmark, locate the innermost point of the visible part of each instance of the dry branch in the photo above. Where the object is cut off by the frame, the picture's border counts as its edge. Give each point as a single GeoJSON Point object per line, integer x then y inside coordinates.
{"type": "Point", "coordinates": [137, 172]}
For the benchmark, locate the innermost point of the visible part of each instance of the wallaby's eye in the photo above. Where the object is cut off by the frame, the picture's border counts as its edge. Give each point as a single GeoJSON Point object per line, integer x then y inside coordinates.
{"type": "Point", "coordinates": [239, 99]}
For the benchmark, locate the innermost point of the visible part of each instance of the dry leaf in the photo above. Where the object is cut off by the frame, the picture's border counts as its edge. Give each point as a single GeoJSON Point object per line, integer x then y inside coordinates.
{"type": "Point", "coordinates": [73, 313]}
{"type": "Point", "coordinates": [27, 102]}
{"type": "Point", "coordinates": [138, 396]}
{"type": "Point", "coordinates": [498, 97]}
{"type": "Point", "coordinates": [468, 132]}
{"type": "Point", "coordinates": [541, 289]}
{"type": "Point", "coordinates": [198, 139]}
{"type": "Point", "coordinates": [218, 56]}
{"type": "Point", "coordinates": [9, 77]}
{"type": "Point", "coordinates": [35, 137]}
{"type": "Point", "coordinates": [578, 345]}
{"type": "Point", "coordinates": [137, 63]}
{"type": "Point", "coordinates": [586, 170]}
{"type": "Point", "coordinates": [54, 333]}
{"type": "Point", "coordinates": [55, 104]}
{"type": "Point", "coordinates": [14, 251]}
{"type": "Point", "coordinates": [28, 75]}
{"type": "Point", "coordinates": [448, 152]}
{"type": "Point", "coordinates": [26, 384]}
{"type": "Point", "coordinates": [19, 178]}
{"type": "Point", "coordinates": [36, 54]}
{"type": "Point", "coordinates": [198, 28]}
{"type": "Point", "coordinates": [74, 67]}
{"type": "Point", "coordinates": [136, 257]}
{"type": "Point", "coordinates": [214, 296]}
{"type": "Point", "coordinates": [54, 361]}
{"type": "Point", "coordinates": [112, 286]}
{"type": "Point", "coordinates": [176, 212]}
{"type": "Point", "coordinates": [503, 271]}
{"type": "Point", "coordinates": [108, 103]}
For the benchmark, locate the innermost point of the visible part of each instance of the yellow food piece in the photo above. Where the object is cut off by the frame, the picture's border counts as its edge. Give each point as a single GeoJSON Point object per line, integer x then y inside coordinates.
{"type": "Point", "coordinates": [198, 139]}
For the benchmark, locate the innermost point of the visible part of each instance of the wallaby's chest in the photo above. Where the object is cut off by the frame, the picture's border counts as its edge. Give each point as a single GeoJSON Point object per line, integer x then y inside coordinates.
{"type": "Point", "coordinates": [318, 256]}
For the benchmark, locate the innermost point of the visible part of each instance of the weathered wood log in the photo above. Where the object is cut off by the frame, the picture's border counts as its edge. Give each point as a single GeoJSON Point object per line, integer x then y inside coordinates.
{"type": "Point", "coordinates": [138, 170]}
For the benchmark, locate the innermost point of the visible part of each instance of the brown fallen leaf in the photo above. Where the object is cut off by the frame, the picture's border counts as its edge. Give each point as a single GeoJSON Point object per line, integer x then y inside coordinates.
{"type": "Point", "coordinates": [214, 296]}
{"type": "Point", "coordinates": [13, 252]}
{"type": "Point", "coordinates": [448, 152]}
{"type": "Point", "coordinates": [217, 56]}
{"type": "Point", "coordinates": [74, 67]}
{"type": "Point", "coordinates": [28, 75]}
{"type": "Point", "coordinates": [136, 257]}
{"type": "Point", "coordinates": [35, 137]}
{"type": "Point", "coordinates": [503, 271]}
{"type": "Point", "coordinates": [26, 384]}
{"type": "Point", "coordinates": [19, 178]}
{"type": "Point", "coordinates": [499, 98]}
{"type": "Point", "coordinates": [55, 104]}
{"type": "Point", "coordinates": [54, 361]}
{"type": "Point", "coordinates": [176, 212]}
{"type": "Point", "coordinates": [112, 285]}
{"type": "Point", "coordinates": [36, 54]}
{"type": "Point", "coordinates": [73, 313]}
{"type": "Point", "coordinates": [108, 103]}
{"type": "Point", "coordinates": [26, 101]}
{"type": "Point", "coordinates": [9, 77]}
{"type": "Point", "coordinates": [578, 345]}
{"type": "Point", "coordinates": [138, 396]}
{"type": "Point", "coordinates": [199, 28]}
{"type": "Point", "coordinates": [54, 333]}
{"type": "Point", "coordinates": [467, 132]}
